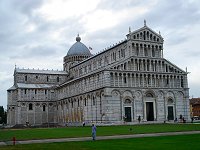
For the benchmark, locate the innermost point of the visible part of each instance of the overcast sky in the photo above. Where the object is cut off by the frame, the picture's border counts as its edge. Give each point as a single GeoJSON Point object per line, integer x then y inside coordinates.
{"type": "Point", "coordinates": [38, 33]}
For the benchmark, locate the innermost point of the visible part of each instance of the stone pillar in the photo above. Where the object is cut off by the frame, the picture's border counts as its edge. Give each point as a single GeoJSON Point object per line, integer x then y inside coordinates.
{"type": "Point", "coordinates": [154, 66]}
{"type": "Point", "coordinates": [150, 66]}
{"type": "Point", "coordinates": [142, 65]}
{"type": "Point", "coordinates": [133, 65]}
{"type": "Point", "coordinates": [162, 85]}
{"type": "Point", "coordinates": [134, 77]}
{"type": "Point", "coordinates": [143, 80]}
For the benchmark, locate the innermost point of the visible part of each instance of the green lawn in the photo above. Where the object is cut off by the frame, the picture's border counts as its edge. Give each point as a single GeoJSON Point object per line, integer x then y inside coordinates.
{"type": "Point", "coordinates": [178, 142]}
{"type": "Point", "coordinates": [45, 133]}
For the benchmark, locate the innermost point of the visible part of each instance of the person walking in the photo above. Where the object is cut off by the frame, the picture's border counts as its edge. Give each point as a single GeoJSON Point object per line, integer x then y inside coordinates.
{"type": "Point", "coordinates": [94, 129]}
{"type": "Point", "coordinates": [139, 119]}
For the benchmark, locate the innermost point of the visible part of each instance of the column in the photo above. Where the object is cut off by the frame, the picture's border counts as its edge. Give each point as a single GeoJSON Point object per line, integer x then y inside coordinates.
{"type": "Point", "coordinates": [143, 80]}
{"type": "Point", "coordinates": [162, 84]}
{"type": "Point", "coordinates": [150, 66]}
{"type": "Point", "coordinates": [156, 81]}
{"type": "Point", "coordinates": [134, 77]}
{"type": "Point", "coordinates": [142, 65]}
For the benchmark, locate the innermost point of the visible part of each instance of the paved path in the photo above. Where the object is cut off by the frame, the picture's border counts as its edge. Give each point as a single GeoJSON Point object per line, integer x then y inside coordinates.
{"type": "Point", "coordinates": [100, 137]}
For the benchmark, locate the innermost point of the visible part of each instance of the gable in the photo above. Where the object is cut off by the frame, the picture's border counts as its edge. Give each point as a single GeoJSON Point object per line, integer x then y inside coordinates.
{"type": "Point", "coordinates": [145, 65]}
{"type": "Point", "coordinates": [146, 34]}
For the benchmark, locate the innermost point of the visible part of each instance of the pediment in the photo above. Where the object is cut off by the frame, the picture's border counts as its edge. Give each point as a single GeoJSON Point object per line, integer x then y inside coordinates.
{"type": "Point", "coordinates": [124, 64]}
{"type": "Point", "coordinates": [145, 33]}
{"type": "Point", "coordinates": [119, 63]}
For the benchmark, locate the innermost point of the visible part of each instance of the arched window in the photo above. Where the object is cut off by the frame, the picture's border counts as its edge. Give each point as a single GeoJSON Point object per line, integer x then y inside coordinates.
{"type": "Point", "coordinates": [125, 79]}
{"type": "Point", "coordinates": [137, 50]}
{"type": "Point", "coordinates": [154, 38]}
{"type": "Point", "coordinates": [25, 78]}
{"type": "Point", "coordinates": [78, 102]}
{"type": "Point", "coordinates": [153, 53]}
{"type": "Point", "coordinates": [44, 108]}
{"type": "Point", "coordinates": [127, 101]}
{"type": "Point", "coordinates": [137, 36]}
{"type": "Point", "coordinates": [170, 101]}
{"type": "Point", "coordinates": [149, 95]}
{"type": "Point", "coordinates": [30, 106]}
{"type": "Point", "coordinates": [182, 82]}
{"type": "Point", "coordinates": [93, 101]}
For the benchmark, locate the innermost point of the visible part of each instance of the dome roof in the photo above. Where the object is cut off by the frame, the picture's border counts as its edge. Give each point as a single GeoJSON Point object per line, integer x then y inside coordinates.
{"type": "Point", "coordinates": [78, 48]}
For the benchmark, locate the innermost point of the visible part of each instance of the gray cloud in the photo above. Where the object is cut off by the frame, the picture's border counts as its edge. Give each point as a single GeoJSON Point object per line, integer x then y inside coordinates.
{"type": "Point", "coordinates": [175, 19]}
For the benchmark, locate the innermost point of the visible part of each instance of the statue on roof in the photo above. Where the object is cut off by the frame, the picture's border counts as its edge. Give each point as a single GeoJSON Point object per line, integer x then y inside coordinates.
{"type": "Point", "coordinates": [145, 23]}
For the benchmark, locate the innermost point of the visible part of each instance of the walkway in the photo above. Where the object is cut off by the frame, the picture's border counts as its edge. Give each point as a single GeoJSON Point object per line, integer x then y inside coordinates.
{"type": "Point", "coordinates": [100, 137]}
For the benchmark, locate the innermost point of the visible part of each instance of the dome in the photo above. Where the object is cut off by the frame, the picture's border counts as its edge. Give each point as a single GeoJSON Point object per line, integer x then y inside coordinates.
{"type": "Point", "coordinates": [78, 48]}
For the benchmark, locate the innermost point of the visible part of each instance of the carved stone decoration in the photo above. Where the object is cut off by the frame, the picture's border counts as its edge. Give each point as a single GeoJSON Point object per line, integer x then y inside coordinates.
{"type": "Point", "coordinates": [138, 94]}
{"type": "Point", "coordinates": [170, 101]}
{"type": "Point", "coordinates": [160, 95]}
{"type": "Point", "coordinates": [127, 101]}
{"type": "Point", "coordinates": [140, 82]}
{"type": "Point", "coordinates": [37, 104]}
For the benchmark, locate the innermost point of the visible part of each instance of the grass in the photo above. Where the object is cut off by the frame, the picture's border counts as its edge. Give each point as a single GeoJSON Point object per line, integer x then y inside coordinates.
{"type": "Point", "coordinates": [178, 142]}
{"type": "Point", "coordinates": [47, 133]}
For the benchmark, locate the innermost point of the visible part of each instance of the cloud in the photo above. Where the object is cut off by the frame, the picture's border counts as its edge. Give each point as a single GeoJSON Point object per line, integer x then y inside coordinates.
{"type": "Point", "coordinates": [44, 30]}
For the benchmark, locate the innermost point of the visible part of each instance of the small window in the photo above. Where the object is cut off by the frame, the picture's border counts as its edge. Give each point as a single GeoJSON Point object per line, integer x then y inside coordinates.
{"type": "Point", "coordinates": [25, 91]}
{"type": "Point", "coordinates": [45, 92]}
{"type": "Point", "coordinates": [44, 108]}
{"type": "Point", "coordinates": [30, 106]}
{"type": "Point", "coordinates": [167, 81]}
{"type": "Point", "coordinates": [35, 91]}
{"type": "Point", "coordinates": [85, 102]}
{"type": "Point", "coordinates": [125, 66]}
{"type": "Point", "coordinates": [25, 78]}
{"type": "Point", "coordinates": [93, 101]}
{"type": "Point", "coordinates": [124, 79]}
{"type": "Point", "coordinates": [57, 79]}
{"type": "Point", "coordinates": [182, 82]}
{"type": "Point", "coordinates": [36, 77]}
{"type": "Point", "coordinates": [47, 79]}
{"type": "Point", "coordinates": [153, 53]}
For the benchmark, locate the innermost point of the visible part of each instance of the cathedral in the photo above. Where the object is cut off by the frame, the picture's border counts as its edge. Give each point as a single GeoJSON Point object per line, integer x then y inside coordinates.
{"type": "Point", "coordinates": [124, 82]}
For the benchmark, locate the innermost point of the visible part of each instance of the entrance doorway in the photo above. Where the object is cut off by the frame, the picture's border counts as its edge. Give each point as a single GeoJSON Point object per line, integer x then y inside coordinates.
{"type": "Point", "coordinates": [127, 114]}
{"type": "Point", "coordinates": [149, 111]}
{"type": "Point", "coordinates": [170, 113]}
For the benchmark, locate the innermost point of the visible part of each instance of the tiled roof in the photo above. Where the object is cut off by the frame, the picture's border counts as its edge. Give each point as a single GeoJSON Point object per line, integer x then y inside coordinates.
{"type": "Point", "coordinates": [34, 86]}
{"type": "Point", "coordinates": [17, 70]}
{"type": "Point", "coordinates": [195, 101]}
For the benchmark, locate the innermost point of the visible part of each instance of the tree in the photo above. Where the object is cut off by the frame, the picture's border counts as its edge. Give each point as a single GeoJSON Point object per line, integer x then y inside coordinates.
{"type": "Point", "coordinates": [3, 115]}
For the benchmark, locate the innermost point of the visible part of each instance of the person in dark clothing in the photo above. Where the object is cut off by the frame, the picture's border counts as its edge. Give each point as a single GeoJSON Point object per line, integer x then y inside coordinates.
{"type": "Point", "coordinates": [94, 129]}
{"type": "Point", "coordinates": [139, 119]}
